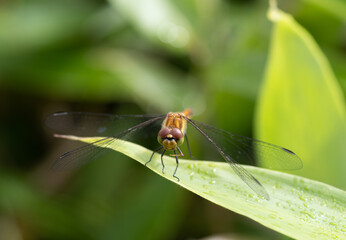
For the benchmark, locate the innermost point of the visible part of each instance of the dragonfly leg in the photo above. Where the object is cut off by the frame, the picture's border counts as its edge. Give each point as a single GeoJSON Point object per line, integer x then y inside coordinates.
{"type": "Point", "coordinates": [163, 165]}
{"type": "Point", "coordinates": [188, 148]}
{"type": "Point", "coordinates": [156, 150]}
{"type": "Point", "coordinates": [176, 168]}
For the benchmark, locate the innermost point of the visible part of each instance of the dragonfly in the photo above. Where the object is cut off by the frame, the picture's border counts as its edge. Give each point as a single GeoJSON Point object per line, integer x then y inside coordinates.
{"type": "Point", "coordinates": [171, 133]}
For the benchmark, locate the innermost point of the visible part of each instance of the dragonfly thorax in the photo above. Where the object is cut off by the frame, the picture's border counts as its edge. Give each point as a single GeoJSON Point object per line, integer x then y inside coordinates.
{"type": "Point", "coordinates": [170, 138]}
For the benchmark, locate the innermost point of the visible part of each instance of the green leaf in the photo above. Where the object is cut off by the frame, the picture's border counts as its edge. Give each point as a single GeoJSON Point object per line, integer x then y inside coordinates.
{"type": "Point", "coordinates": [298, 207]}
{"type": "Point", "coordinates": [301, 105]}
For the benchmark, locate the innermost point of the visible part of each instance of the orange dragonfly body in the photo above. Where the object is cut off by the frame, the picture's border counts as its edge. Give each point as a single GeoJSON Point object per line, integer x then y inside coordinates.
{"type": "Point", "coordinates": [172, 135]}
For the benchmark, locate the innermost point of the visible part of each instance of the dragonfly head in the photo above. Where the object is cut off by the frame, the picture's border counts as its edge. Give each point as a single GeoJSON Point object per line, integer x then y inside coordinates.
{"type": "Point", "coordinates": [170, 138]}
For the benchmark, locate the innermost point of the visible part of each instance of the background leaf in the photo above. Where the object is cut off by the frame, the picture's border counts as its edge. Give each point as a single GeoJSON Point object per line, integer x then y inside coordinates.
{"type": "Point", "coordinates": [301, 105]}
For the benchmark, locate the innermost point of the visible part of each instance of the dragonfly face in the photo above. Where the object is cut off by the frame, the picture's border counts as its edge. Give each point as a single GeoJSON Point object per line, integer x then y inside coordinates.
{"type": "Point", "coordinates": [170, 138]}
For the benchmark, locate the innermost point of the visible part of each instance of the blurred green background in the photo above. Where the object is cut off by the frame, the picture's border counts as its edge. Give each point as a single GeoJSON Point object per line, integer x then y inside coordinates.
{"type": "Point", "coordinates": [130, 57]}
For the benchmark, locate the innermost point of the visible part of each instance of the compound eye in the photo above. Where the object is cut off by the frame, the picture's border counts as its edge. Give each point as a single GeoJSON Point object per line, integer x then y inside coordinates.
{"type": "Point", "coordinates": [177, 134]}
{"type": "Point", "coordinates": [163, 132]}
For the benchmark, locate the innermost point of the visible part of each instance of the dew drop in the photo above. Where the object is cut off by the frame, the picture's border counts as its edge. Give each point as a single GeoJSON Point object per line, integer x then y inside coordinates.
{"type": "Point", "coordinates": [191, 166]}
{"type": "Point", "coordinates": [302, 198]}
{"type": "Point", "coordinates": [272, 216]}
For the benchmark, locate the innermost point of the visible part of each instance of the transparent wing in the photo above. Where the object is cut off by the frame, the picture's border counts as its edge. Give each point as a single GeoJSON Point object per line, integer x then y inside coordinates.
{"type": "Point", "coordinates": [82, 155]}
{"type": "Point", "coordinates": [85, 124]}
{"type": "Point", "coordinates": [238, 149]}
{"type": "Point", "coordinates": [250, 151]}
{"type": "Point", "coordinates": [148, 126]}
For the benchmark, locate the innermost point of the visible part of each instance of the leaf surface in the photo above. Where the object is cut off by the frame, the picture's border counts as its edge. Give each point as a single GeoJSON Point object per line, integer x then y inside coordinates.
{"type": "Point", "coordinates": [298, 207]}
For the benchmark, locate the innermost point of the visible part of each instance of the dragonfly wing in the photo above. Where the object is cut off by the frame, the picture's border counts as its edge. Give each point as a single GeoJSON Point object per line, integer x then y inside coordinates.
{"type": "Point", "coordinates": [93, 124]}
{"type": "Point", "coordinates": [91, 151]}
{"type": "Point", "coordinates": [250, 151]}
{"type": "Point", "coordinates": [250, 180]}
{"type": "Point", "coordinates": [237, 148]}
{"type": "Point", "coordinates": [82, 155]}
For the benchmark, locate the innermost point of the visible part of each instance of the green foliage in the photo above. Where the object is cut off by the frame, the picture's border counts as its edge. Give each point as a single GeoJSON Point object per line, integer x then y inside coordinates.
{"type": "Point", "coordinates": [163, 23]}
{"type": "Point", "coordinates": [301, 105]}
{"type": "Point", "coordinates": [298, 207]}
{"type": "Point", "coordinates": [155, 56]}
